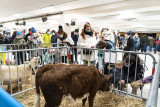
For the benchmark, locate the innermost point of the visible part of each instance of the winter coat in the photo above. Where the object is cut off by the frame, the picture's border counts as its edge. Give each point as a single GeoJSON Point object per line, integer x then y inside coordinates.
{"type": "Point", "coordinates": [47, 39]}
{"type": "Point", "coordinates": [12, 38]}
{"type": "Point", "coordinates": [146, 40]}
{"type": "Point", "coordinates": [26, 37]}
{"type": "Point", "coordinates": [87, 43]}
{"type": "Point", "coordinates": [152, 41]}
{"type": "Point", "coordinates": [4, 40]}
{"type": "Point", "coordinates": [68, 42]}
{"type": "Point", "coordinates": [130, 44]}
{"type": "Point", "coordinates": [20, 44]}
{"type": "Point", "coordinates": [74, 38]}
{"type": "Point", "coordinates": [108, 35]}
{"type": "Point", "coordinates": [132, 68]}
{"type": "Point", "coordinates": [116, 74]}
{"type": "Point", "coordinates": [54, 40]}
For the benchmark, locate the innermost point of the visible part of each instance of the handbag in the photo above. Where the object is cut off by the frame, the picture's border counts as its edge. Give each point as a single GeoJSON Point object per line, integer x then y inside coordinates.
{"type": "Point", "coordinates": [87, 51]}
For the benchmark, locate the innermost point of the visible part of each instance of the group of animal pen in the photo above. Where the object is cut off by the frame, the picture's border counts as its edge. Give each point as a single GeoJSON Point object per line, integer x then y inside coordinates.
{"type": "Point", "coordinates": [57, 80]}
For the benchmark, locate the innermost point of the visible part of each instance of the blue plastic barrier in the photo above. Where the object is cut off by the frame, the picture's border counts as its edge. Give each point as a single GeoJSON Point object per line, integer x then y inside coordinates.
{"type": "Point", "coordinates": [6, 100]}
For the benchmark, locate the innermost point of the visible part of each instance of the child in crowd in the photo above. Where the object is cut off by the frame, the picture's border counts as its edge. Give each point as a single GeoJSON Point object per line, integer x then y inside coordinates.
{"type": "Point", "coordinates": [118, 76]}
{"type": "Point", "coordinates": [101, 45]}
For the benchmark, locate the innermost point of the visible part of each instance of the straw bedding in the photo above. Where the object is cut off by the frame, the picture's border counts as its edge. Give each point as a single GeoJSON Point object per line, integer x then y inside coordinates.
{"type": "Point", "coordinates": [102, 99]}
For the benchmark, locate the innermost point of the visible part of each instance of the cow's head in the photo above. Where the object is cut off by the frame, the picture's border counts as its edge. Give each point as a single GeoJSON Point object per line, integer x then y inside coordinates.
{"type": "Point", "coordinates": [107, 83]}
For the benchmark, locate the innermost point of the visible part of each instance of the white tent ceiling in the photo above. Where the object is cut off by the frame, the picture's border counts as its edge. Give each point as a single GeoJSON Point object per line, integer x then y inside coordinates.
{"type": "Point", "coordinates": [136, 15]}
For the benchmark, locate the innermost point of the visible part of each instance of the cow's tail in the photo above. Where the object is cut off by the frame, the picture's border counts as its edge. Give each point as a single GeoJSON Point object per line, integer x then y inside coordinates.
{"type": "Point", "coordinates": [39, 75]}
{"type": "Point", "coordinates": [37, 100]}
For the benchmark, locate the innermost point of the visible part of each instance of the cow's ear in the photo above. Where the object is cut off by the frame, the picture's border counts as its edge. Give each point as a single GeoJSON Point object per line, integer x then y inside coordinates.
{"type": "Point", "coordinates": [109, 78]}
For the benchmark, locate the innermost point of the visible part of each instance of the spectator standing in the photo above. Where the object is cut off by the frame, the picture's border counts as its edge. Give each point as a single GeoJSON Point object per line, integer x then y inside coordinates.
{"type": "Point", "coordinates": [75, 36]}
{"type": "Point", "coordinates": [47, 38]}
{"type": "Point", "coordinates": [19, 41]}
{"type": "Point", "coordinates": [3, 40]}
{"type": "Point", "coordinates": [54, 38]}
{"type": "Point", "coordinates": [152, 42]}
{"type": "Point", "coordinates": [107, 34]}
{"type": "Point", "coordinates": [87, 40]}
{"type": "Point", "coordinates": [30, 32]}
{"type": "Point", "coordinates": [130, 41]}
{"type": "Point", "coordinates": [156, 47]}
{"type": "Point", "coordinates": [13, 37]}
{"type": "Point", "coordinates": [63, 38]}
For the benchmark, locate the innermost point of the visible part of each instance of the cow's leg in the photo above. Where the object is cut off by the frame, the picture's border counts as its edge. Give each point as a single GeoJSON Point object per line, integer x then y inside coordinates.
{"type": "Point", "coordinates": [9, 89]}
{"type": "Point", "coordinates": [84, 101]}
{"type": "Point", "coordinates": [91, 98]}
{"type": "Point", "coordinates": [53, 96]}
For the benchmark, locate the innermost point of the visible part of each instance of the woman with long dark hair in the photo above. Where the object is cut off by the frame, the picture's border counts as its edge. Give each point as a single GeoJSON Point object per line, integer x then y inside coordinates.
{"type": "Point", "coordinates": [88, 40]}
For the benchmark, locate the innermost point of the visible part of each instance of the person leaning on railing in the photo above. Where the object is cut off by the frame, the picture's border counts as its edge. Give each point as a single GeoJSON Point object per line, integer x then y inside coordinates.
{"type": "Point", "coordinates": [19, 45]}
{"type": "Point", "coordinates": [87, 40]}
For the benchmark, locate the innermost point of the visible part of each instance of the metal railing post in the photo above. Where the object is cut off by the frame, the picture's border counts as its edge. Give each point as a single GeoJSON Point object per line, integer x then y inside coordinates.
{"type": "Point", "coordinates": [153, 93]}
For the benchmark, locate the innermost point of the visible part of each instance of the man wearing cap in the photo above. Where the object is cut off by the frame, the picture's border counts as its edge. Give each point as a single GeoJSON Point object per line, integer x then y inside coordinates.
{"type": "Point", "coordinates": [20, 44]}
{"type": "Point", "coordinates": [130, 41]}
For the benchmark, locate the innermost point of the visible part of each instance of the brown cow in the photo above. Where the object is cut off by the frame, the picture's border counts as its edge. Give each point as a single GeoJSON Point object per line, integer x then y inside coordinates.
{"type": "Point", "coordinates": [75, 80]}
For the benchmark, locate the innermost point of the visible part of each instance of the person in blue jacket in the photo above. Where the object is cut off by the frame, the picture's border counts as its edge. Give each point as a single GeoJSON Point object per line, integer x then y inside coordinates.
{"type": "Point", "coordinates": [75, 36]}
{"type": "Point", "coordinates": [54, 38]}
{"type": "Point", "coordinates": [118, 78]}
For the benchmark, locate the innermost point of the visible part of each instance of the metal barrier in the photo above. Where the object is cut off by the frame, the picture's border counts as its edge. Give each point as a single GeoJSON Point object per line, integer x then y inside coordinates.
{"type": "Point", "coordinates": [17, 74]}
{"type": "Point", "coordinates": [153, 94]}
{"type": "Point", "coordinates": [111, 56]}
{"type": "Point", "coordinates": [80, 55]}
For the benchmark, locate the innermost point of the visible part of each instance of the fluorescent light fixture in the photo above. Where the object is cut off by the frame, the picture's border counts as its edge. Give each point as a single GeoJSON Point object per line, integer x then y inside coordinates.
{"type": "Point", "coordinates": [127, 14]}
{"type": "Point", "coordinates": [44, 19]}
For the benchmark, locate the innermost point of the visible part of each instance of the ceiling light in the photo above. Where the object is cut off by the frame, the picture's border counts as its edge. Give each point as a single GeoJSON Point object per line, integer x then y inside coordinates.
{"type": "Point", "coordinates": [73, 23]}
{"type": "Point", "coordinates": [17, 23]}
{"type": "Point", "coordinates": [1, 25]}
{"type": "Point", "coordinates": [44, 19]}
{"type": "Point", "coordinates": [24, 23]}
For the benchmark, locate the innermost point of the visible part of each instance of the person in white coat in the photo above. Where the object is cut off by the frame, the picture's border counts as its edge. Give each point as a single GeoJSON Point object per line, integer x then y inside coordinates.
{"type": "Point", "coordinates": [107, 34]}
{"type": "Point", "coordinates": [87, 40]}
{"type": "Point", "coordinates": [64, 38]}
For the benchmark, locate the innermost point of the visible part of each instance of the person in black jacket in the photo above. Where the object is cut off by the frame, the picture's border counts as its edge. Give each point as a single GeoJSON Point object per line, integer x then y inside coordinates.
{"type": "Point", "coordinates": [75, 36]}
{"type": "Point", "coordinates": [132, 68]}
{"type": "Point", "coordinates": [29, 34]}
{"type": "Point", "coordinates": [13, 37]}
{"type": "Point", "coordinates": [130, 41]}
{"type": "Point", "coordinates": [54, 38]}
{"type": "Point", "coordinates": [4, 40]}
{"type": "Point", "coordinates": [118, 78]}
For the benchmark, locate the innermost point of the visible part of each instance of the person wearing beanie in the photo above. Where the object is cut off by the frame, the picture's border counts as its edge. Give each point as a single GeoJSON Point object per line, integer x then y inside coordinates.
{"type": "Point", "coordinates": [75, 36]}
{"type": "Point", "coordinates": [33, 30]}
{"type": "Point", "coordinates": [47, 38]}
{"type": "Point", "coordinates": [20, 44]}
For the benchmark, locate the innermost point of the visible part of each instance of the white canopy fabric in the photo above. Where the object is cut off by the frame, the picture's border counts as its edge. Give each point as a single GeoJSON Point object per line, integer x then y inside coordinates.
{"type": "Point", "coordinates": [124, 15]}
